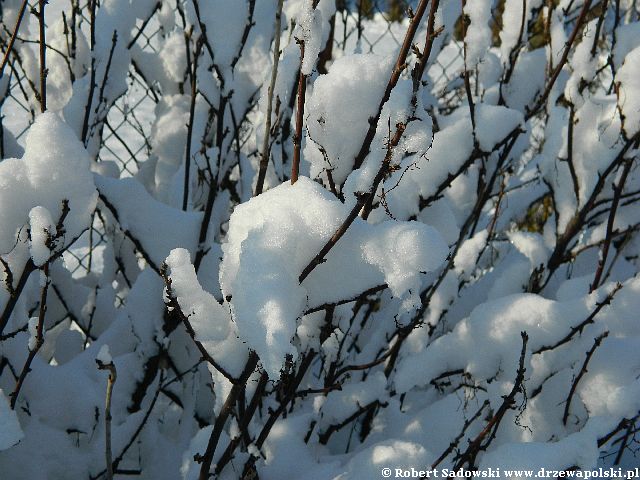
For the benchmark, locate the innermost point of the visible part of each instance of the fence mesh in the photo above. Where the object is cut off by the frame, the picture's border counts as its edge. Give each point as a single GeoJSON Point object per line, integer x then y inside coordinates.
{"type": "Point", "coordinates": [367, 26]}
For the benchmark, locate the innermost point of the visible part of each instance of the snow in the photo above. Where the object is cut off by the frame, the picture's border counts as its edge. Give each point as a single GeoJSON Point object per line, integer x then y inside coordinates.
{"type": "Point", "coordinates": [387, 318]}
{"type": "Point", "coordinates": [137, 211]}
{"type": "Point", "coordinates": [627, 39]}
{"type": "Point", "coordinates": [33, 333]}
{"type": "Point", "coordinates": [469, 250]}
{"type": "Point", "coordinates": [512, 21]}
{"type": "Point", "coordinates": [208, 318]}
{"type": "Point", "coordinates": [576, 450]}
{"type": "Point", "coordinates": [397, 453]}
{"type": "Point", "coordinates": [42, 230]}
{"type": "Point", "coordinates": [262, 248]}
{"type": "Point", "coordinates": [10, 431]}
{"type": "Point", "coordinates": [339, 405]}
{"type": "Point", "coordinates": [451, 147]}
{"type": "Point", "coordinates": [629, 78]}
{"type": "Point", "coordinates": [173, 58]}
{"type": "Point", "coordinates": [401, 252]}
{"type": "Point", "coordinates": [48, 174]}
{"type": "Point", "coordinates": [210, 321]}
{"type": "Point", "coordinates": [494, 123]}
{"type": "Point", "coordinates": [490, 337]}
{"type": "Point", "coordinates": [104, 355]}
{"type": "Point", "coordinates": [310, 24]}
{"type": "Point", "coordinates": [337, 109]}
{"type": "Point", "coordinates": [478, 37]}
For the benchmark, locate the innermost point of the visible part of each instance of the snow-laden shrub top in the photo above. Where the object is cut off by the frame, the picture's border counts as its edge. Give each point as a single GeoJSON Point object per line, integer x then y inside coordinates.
{"type": "Point", "coordinates": [313, 239]}
{"type": "Point", "coordinates": [269, 242]}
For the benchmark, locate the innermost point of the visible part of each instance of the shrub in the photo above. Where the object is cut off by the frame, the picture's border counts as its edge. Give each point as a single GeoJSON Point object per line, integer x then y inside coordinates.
{"type": "Point", "coordinates": [301, 239]}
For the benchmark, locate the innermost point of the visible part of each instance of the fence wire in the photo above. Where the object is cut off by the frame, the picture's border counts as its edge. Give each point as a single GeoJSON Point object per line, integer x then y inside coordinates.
{"type": "Point", "coordinates": [367, 26]}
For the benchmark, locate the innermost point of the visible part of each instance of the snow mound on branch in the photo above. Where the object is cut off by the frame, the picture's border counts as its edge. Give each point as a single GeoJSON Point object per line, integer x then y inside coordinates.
{"type": "Point", "coordinates": [494, 123]}
{"type": "Point", "coordinates": [338, 110]}
{"type": "Point", "coordinates": [274, 236]}
{"type": "Point", "coordinates": [398, 453]}
{"type": "Point", "coordinates": [54, 167]}
{"type": "Point", "coordinates": [578, 449]}
{"type": "Point", "coordinates": [490, 338]}
{"type": "Point", "coordinates": [42, 227]}
{"type": "Point", "coordinates": [208, 318]}
{"type": "Point", "coordinates": [210, 321]}
{"type": "Point", "coordinates": [478, 38]}
{"type": "Point", "coordinates": [341, 404]}
{"type": "Point", "coordinates": [629, 77]}
{"type": "Point", "coordinates": [139, 214]}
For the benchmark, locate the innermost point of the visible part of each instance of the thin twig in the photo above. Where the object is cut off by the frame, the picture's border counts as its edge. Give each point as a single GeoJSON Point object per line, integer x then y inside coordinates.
{"type": "Point", "coordinates": [39, 340]}
{"type": "Point", "coordinates": [43, 56]}
{"type": "Point", "coordinates": [175, 306]}
{"type": "Point", "coordinates": [604, 252]}
{"type": "Point", "coordinates": [297, 137]}
{"type": "Point", "coordinates": [583, 370]}
{"type": "Point", "coordinates": [107, 414]}
{"type": "Point", "coordinates": [398, 68]}
{"type": "Point", "coordinates": [580, 327]}
{"type": "Point", "coordinates": [469, 455]}
{"type": "Point", "coordinates": [192, 109]}
{"type": "Point", "coordinates": [222, 417]}
{"type": "Point", "coordinates": [565, 55]}
{"type": "Point", "coordinates": [12, 40]}
{"type": "Point", "coordinates": [266, 144]}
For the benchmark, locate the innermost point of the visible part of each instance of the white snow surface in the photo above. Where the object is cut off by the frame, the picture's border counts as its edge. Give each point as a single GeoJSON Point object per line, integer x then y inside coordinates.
{"type": "Point", "coordinates": [42, 229]}
{"type": "Point", "coordinates": [104, 355]}
{"type": "Point", "coordinates": [49, 173]}
{"type": "Point", "coordinates": [263, 249]}
{"type": "Point", "coordinates": [338, 108]}
{"type": "Point", "coordinates": [10, 431]}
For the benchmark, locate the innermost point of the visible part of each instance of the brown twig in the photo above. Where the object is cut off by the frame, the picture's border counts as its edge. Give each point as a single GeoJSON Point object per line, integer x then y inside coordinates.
{"type": "Point", "coordinates": [275, 414]}
{"type": "Point", "coordinates": [192, 108]}
{"type": "Point", "coordinates": [423, 57]}
{"type": "Point", "coordinates": [580, 327]}
{"type": "Point", "coordinates": [570, 163]}
{"type": "Point", "coordinates": [604, 252]}
{"type": "Point", "coordinates": [92, 76]}
{"type": "Point", "coordinates": [29, 267]}
{"type": "Point", "coordinates": [363, 203]}
{"type": "Point", "coordinates": [454, 444]}
{"type": "Point", "coordinates": [39, 340]}
{"type": "Point", "coordinates": [574, 225]}
{"type": "Point", "coordinates": [107, 414]}
{"type": "Point", "coordinates": [583, 370]}
{"type": "Point", "coordinates": [222, 417]}
{"type": "Point", "coordinates": [565, 55]}
{"type": "Point", "coordinates": [297, 137]}
{"type": "Point", "coordinates": [468, 457]}
{"type": "Point", "coordinates": [135, 435]}
{"type": "Point", "coordinates": [12, 40]}
{"type": "Point", "coordinates": [398, 68]}
{"type": "Point", "coordinates": [266, 144]}
{"type": "Point", "coordinates": [43, 56]}
{"type": "Point", "coordinates": [227, 455]}
{"type": "Point", "coordinates": [370, 291]}
{"type": "Point", "coordinates": [245, 34]}
{"type": "Point", "coordinates": [175, 306]}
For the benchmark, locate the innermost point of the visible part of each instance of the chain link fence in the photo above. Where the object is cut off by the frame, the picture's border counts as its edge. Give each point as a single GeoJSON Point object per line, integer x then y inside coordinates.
{"type": "Point", "coordinates": [366, 26]}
